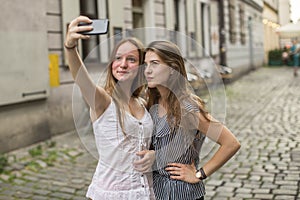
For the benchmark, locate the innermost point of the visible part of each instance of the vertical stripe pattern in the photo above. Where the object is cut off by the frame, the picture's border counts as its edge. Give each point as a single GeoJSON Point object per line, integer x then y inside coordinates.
{"type": "Point", "coordinates": [178, 146]}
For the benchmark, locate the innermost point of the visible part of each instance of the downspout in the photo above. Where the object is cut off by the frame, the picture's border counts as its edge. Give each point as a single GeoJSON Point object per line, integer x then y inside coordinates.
{"type": "Point", "coordinates": [222, 34]}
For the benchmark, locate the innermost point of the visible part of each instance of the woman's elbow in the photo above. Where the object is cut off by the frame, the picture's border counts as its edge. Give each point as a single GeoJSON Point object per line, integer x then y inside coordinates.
{"type": "Point", "coordinates": [236, 145]}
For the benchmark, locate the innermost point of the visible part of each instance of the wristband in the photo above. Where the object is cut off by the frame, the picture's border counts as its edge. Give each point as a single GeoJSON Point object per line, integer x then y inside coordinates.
{"type": "Point", "coordinates": [70, 47]}
{"type": "Point", "coordinates": [201, 174]}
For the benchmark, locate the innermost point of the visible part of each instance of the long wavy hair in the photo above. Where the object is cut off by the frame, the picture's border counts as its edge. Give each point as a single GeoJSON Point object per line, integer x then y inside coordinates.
{"type": "Point", "coordinates": [179, 93]}
{"type": "Point", "coordinates": [138, 84]}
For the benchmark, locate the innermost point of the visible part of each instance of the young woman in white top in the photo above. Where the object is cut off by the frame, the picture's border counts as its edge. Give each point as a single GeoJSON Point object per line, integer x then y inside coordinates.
{"type": "Point", "coordinates": [122, 126]}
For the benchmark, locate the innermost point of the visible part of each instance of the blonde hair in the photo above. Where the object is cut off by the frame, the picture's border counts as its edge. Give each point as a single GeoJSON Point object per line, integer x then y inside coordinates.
{"type": "Point", "coordinates": [137, 86]}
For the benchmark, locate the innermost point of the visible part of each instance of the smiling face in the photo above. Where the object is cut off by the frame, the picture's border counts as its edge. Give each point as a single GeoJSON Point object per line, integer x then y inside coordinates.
{"type": "Point", "coordinates": [157, 72]}
{"type": "Point", "coordinates": [126, 62]}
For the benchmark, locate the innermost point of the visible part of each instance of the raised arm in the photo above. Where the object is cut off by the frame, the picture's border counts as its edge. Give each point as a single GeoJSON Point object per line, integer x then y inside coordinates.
{"type": "Point", "coordinates": [95, 96]}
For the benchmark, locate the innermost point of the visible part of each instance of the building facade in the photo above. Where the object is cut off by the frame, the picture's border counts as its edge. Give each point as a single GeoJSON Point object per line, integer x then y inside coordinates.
{"type": "Point", "coordinates": [284, 16]}
{"type": "Point", "coordinates": [208, 32]}
{"type": "Point", "coordinates": [271, 23]}
{"type": "Point", "coordinates": [244, 35]}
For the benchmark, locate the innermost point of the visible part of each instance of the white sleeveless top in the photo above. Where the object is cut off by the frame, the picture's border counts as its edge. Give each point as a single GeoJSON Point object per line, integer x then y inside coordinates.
{"type": "Point", "coordinates": [115, 177]}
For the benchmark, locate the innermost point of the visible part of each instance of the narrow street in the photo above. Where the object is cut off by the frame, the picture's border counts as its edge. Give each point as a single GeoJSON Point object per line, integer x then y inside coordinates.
{"type": "Point", "coordinates": [263, 111]}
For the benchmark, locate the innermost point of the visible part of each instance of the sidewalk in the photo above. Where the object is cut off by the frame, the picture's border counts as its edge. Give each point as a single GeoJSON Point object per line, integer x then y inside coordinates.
{"type": "Point", "coordinates": [263, 111]}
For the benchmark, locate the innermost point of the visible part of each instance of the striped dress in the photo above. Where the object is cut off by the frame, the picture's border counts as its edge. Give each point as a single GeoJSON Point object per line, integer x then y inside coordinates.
{"type": "Point", "coordinates": [183, 146]}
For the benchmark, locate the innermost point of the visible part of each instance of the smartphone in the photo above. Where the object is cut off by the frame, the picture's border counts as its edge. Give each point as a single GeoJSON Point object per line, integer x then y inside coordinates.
{"type": "Point", "coordinates": [100, 26]}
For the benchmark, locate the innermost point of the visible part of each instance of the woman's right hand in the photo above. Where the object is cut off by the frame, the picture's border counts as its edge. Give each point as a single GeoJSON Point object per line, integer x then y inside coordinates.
{"type": "Point", "coordinates": [73, 36]}
{"type": "Point", "coordinates": [183, 172]}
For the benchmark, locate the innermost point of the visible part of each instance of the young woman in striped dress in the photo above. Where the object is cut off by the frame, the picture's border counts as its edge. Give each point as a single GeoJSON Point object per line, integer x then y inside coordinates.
{"type": "Point", "coordinates": [180, 127]}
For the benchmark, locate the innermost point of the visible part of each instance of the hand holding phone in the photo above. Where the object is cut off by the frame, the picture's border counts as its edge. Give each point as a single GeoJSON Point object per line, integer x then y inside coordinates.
{"type": "Point", "coordinates": [100, 26]}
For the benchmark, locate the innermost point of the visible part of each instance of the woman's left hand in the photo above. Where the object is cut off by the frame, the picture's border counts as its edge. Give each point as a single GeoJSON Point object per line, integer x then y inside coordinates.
{"type": "Point", "coordinates": [145, 163]}
{"type": "Point", "coordinates": [183, 172]}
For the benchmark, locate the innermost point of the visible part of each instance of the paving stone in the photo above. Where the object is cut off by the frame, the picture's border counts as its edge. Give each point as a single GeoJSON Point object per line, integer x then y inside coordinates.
{"type": "Point", "coordinates": [225, 189]}
{"type": "Point", "coordinates": [215, 182]}
{"type": "Point", "coordinates": [244, 195]}
{"type": "Point", "coordinates": [255, 178]}
{"type": "Point", "coordinates": [243, 190]}
{"type": "Point", "coordinates": [67, 190]}
{"type": "Point", "coordinates": [37, 197]}
{"type": "Point", "coordinates": [269, 185]}
{"type": "Point", "coordinates": [233, 184]}
{"type": "Point", "coordinates": [81, 192]}
{"type": "Point", "coordinates": [77, 181]}
{"type": "Point", "coordinates": [223, 195]}
{"type": "Point", "coordinates": [285, 192]}
{"type": "Point", "coordinates": [31, 178]}
{"type": "Point", "coordinates": [22, 195]}
{"type": "Point", "coordinates": [263, 196]}
{"type": "Point", "coordinates": [289, 187]}
{"type": "Point", "coordinates": [60, 195]}
{"type": "Point", "coordinates": [41, 192]}
{"type": "Point", "coordinates": [8, 193]}
{"type": "Point", "coordinates": [285, 197]}
{"type": "Point", "coordinates": [6, 197]}
{"type": "Point", "coordinates": [19, 181]}
{"type": "Point", "coordinates": [4, 177]}
{"type": "Point", "coordinates": [79, 198]}
{"type": "Point", "coordinates": [210, 194]}
{"type": "Point", "coordinates": [261, 191]}
{"type": "Point", "coordinates": [292, 183]}
{"type": "Point", "coordinates": [267, 179]}
{"type": "Point", "coordinates": [251, 185]}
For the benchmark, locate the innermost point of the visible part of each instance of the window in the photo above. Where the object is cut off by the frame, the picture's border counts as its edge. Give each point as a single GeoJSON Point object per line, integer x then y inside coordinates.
{"type": "Point", "coordinates": [138, 16]}
{"type": "Point", "coordinates": [232, 26]}
{"type": "Point", "coordinates": [193, 44]}
{"type": "Point", "coordinates": [117, 35]}
{"type": "Point", "coordinates": [137, 3]}
{"type": "Point", "coordinates": [242, 24]}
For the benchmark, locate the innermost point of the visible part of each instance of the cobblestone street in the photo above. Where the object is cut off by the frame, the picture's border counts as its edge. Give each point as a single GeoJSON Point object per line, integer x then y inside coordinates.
{"type": "Point", "coordinates": [263, 111]}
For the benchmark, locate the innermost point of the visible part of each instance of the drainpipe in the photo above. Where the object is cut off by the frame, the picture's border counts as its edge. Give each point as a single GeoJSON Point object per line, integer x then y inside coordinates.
{"type": "Point", "coordinates": [222, 34]}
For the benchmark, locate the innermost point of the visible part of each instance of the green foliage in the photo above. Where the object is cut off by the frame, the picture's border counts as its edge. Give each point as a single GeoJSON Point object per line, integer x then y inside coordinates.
{"type": "Point", "coordinates": [37, 151]}
{"type": "Point", "coordinates": [3, 162]}
{"type": "Point", "coordinates": [51, 144]}
{"type": "Point", "coordinates": [33, 166]}
{"type": "Point", "coordinates": [51, 158]}
{"type": "Point", "coordinates": [275, 57]}
{"type": "Point", "coordinates": [275, 54]}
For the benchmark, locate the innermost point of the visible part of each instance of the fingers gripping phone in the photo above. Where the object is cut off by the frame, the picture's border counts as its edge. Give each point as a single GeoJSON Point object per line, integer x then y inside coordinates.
{"type": "Point", "coordinates": [100, 26]}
